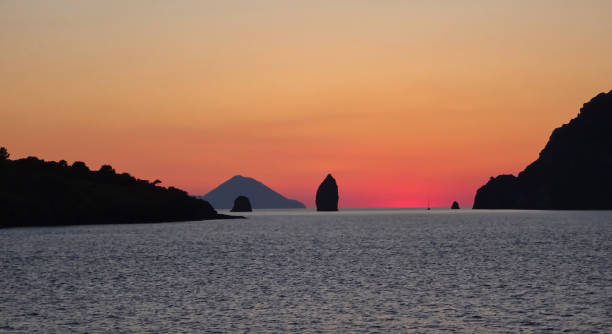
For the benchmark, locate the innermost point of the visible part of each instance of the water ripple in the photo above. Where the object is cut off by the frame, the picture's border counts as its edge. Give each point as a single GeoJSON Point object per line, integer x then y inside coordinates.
{"type": "Point", "coordinates": [296, 271]}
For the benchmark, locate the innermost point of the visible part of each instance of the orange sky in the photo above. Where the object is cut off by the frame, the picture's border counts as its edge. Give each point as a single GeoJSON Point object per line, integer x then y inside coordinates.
{"type": "Point", "coordinates": [402, 101]}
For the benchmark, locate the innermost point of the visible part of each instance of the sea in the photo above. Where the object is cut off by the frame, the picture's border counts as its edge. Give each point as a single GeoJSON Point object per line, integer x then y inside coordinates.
{"type": "Point", "coordinates": [301, 271]}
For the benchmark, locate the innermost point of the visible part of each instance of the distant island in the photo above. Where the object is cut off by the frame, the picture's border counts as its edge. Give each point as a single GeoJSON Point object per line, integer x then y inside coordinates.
{"type": "Point", "coordinates": [35, 192]}
{"type": "Point", "coordinates": [260, 195]}
{"type": "Point", "coordinates": [573, 171]}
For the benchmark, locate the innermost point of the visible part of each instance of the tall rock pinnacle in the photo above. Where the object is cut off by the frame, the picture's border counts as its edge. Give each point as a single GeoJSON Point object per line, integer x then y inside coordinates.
{"type": "Point", "coordinates": [327, 195]}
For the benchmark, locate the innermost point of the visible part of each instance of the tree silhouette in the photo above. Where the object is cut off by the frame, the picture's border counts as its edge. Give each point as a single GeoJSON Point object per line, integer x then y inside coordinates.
{"type": "Point", "coordinates": [107, 169]}
{"type": "Point", "coordinates": [80, 165]}
{"type": "Point", "coordinates": [4, 155]}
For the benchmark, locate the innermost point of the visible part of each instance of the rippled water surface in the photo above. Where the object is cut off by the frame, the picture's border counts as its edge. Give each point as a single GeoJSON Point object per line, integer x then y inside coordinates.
{"type": "Point", "coordinates": [301, 271]}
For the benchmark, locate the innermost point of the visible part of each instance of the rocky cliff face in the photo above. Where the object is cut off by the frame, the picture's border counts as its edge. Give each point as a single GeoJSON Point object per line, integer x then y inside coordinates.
{"type": "Point", "coordinates": [455, 205]}
{"type": "Point", "coordinates": [242, 204]}
{"type": "Point", "coordinates": [573, 171]}
{"type": "Point", "coordinates": [327, 195]}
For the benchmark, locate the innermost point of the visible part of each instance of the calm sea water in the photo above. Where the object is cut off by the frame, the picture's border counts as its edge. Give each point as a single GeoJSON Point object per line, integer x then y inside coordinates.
{"type": "Point", "coordinates": [301, 271]}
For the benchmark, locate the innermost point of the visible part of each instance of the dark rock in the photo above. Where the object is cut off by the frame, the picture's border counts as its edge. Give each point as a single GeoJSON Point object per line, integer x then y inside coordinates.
{"type": "Point", "coordinates": [573, 171]}
{"type": "Point", "coordinates": [327, 195]}
{"type": "Point", "coordinates": [260, 195]}
{"type": "Point", "coordinates": [455, 205]}
{"type": "Point", "coordinates": [242, 204]}
{"type": "Point", "coordinates": [35, 192]}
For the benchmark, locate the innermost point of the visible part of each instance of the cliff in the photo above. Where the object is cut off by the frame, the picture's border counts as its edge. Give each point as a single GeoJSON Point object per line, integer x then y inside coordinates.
{"type": "Point", "coordinates": [572, 172]}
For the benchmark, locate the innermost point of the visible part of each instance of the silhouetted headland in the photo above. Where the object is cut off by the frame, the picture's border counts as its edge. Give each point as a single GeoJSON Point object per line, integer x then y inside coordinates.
{"type": "Point", "coordinates": [242, 204]}
{"type": "Point", "coordinates": [35, 192]}
{"type": "Point", "coordinates": [327, 195]}
{"type": "Point", "coordinates": [455, 205]}
{"type": "Point", "coordinates": [573, 171]}
{"type": "Point", "coordinates": [259, 194]}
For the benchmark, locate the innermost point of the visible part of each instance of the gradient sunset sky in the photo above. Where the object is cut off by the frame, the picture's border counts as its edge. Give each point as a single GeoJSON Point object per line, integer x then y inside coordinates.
{"type": "Point", "coordinates": [402, 101]}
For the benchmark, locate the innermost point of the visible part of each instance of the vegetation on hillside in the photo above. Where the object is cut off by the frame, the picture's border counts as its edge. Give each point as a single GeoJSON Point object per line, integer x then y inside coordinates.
{"type": "Point", "coordinates": [35, 192]}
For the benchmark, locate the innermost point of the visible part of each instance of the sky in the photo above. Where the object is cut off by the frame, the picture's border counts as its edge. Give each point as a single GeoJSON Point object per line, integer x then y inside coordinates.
{"type": "Point", "coordinates": [403, 102]}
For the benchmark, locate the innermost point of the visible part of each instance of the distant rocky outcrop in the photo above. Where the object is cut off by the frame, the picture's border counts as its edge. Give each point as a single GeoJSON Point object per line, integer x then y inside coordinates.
{"type": "Point", "coordinates": [242, 204]}
{"type": "Point", "coordinates": [455, 205]}
{"type": "Point", "coordinates": [260, 196]}
{"type": "Point", "coordinates": [573, 171]}
{"type": "Point", "coordinates": [327, 195]}
{"type": "Point", "coordinates": [35, 192]}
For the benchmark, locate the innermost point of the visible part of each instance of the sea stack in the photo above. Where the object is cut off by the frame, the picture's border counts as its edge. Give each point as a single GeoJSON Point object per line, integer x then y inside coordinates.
{"type": "Point", "coordinates": [242, 204]}
{"type": "Point", "coordinates": [573, 171]}
{"type": "Point", "coordinates": [455, 206]}
{"type": "Point", "coordinates": [327, 195]}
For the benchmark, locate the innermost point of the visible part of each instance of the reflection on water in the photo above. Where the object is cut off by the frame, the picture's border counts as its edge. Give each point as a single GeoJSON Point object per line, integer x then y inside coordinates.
{"type": "Point", "coordinates": [357, 271]}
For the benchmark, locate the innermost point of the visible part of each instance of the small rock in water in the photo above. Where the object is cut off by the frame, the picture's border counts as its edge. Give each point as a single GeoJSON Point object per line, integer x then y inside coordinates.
{"type": "Point", "coordinates": [242, 204]}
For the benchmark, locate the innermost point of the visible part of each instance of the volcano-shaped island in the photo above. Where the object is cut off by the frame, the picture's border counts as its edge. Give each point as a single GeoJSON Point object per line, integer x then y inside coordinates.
{"type": "Point", "coordinates": [260, 195]}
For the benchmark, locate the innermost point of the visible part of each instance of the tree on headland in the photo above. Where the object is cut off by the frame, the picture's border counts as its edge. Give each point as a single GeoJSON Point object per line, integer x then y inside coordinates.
{"type": "Point", "coordinates": [4, 155]}
{"type": "Point", "coordinates": [80, 166]}
{"type": "Point", "coordinates": [107, 169]}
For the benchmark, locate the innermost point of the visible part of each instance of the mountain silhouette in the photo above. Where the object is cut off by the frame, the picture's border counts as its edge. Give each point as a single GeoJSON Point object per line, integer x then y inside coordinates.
{"type": "Point", "coordinates": [327, 195]}
{"type": "Point", "coordinates": [35, 192]}
{"type": "Point", "coordinates": [260, 195]}
{"type": "Point", "coordinates": [573, 171]}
